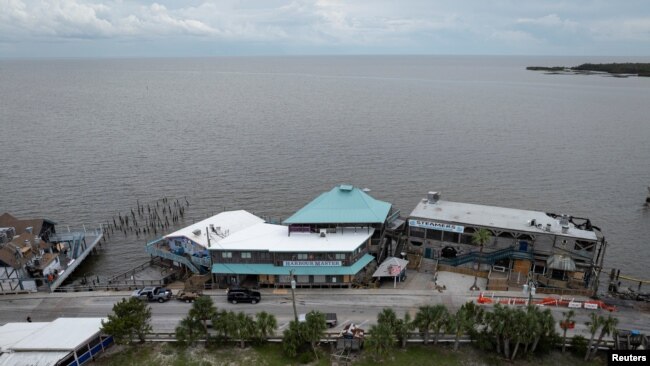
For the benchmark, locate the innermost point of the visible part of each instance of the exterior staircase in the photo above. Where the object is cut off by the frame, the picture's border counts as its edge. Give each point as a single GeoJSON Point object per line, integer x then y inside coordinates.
{"type": "Point", "coordinates": [487, 258]}
{"type": "Point", "coordinates": [157, 252]}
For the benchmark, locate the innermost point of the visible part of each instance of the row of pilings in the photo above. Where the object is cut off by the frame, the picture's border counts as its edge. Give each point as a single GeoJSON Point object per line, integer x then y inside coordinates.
{"type": "Point", "coordinates": [148, 219]}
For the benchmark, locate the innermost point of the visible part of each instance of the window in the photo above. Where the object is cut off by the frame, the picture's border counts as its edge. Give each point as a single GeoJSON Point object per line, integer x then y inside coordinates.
{"type": "Point", "coordinates": [434, 234]}
{"type": "Point", "coordinates": [584, 245]}
{"type": "Point", "coordinates": [417, 232]}
{"type": "Point", "coordinates": [226, 254]}
{"type": "Point", "coordinates": [451, 237]}
{"type": "Point", "coordinates": [246, 255]}
{"type": "Point", "coordinates": [340, 256]}
{"type": "Point", "coordinates": [302, 256]}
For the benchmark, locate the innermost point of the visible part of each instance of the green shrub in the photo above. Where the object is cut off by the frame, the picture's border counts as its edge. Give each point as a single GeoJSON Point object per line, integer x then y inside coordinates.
{"type": "Point", "coordinates": [306, 357]}
{"type": "Point", "coordinates": [548, 343]}
{"type": "Point", "coordinates": [485, 341]}
{"type": "Point", "coordinates": [579, 345]}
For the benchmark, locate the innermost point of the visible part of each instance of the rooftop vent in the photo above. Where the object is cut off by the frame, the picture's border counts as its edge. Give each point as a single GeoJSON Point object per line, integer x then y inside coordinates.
{"type": "Point", "coordinates": [564, 220]}
{"type": "Point", "coordinates": [532, 222]}
{"type": "Point", "coordinates": [565, 229]}
{"type": "Point", "coordinates": [197, 232]}
{"type": "Point", "coordinates": [366, 190]}
{"type": "Point", "coordinates": [433, 197]}
{"type": "Point", "coordinates": [323, 233]}
{"type": "Point", "coordinates": [548, 227]}
{"type": "Point", "coordinates": [346, 187]}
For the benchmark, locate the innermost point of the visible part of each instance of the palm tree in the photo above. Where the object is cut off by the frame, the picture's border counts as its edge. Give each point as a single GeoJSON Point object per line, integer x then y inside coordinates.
{"type": "Point", "coordinates": [496, 320]}
{"type": "Point", "coordinates": [568, 318]}
{"type": "Point", "coordinates": [440, 317]}
{"type": "Point", "coordinates": [219, 324]}
{"type": "Point", "coordinates": [424, 320]}
{"type": "Point", "coordinates": [608, 325]}
{"type": "Point", "coordinates": [464, 320]}
{"type": "Point", "coordinates": [402, 329]}
{"type": "Point", "coordinates": [203, 309]}
{"type": "Point", "coordinates": [314, 329]}
{"type": "Point", "coordinates": [508, 330]}
{"type": "Point", "coordinates": [245, 328]}
{"type": "Point", "coordinates": [265, 325]}
{"type": "Point", "coordinates": [593, 325]}
{"type": "Point", "coordinates": [225, 323]}
{"type": "Point", "coordinates": [480, 237]}
{"type": "Point", "coordinates": [292, 339]}
{"type": "Point", "coordinates": [380, 340]}
{"type": "Point", "coordinates": [546, 323]}
{"type": "Point", "coordinates": [189, 330]}
{"type": "Point", "coordinates": [387, 316]}
{"type": "Point", "coordinates": [520, 328]}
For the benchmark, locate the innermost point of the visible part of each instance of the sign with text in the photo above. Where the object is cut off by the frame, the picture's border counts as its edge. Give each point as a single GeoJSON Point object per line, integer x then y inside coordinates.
{"type": "Point", "coordinates": [311, 263]}
{"type": "Point", "coordinates": [628, 357]}
{"type": "Point", "coordinates": [437, 226]}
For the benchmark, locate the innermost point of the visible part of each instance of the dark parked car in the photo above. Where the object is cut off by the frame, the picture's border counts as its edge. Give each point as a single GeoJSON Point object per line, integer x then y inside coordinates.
{"type": "Point", "coordinates": [236, 295]}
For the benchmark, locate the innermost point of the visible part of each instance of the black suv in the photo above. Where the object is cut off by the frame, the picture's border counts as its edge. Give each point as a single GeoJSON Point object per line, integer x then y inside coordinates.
{"type": "Point", "coordinates": [236, 295]}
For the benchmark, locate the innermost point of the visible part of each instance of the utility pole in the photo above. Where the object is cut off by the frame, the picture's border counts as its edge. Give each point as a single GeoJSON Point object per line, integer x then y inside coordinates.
{"type": "Point", "coordinates": [529, 289]}
{"type": "Point", "coordinates": [293, 295]}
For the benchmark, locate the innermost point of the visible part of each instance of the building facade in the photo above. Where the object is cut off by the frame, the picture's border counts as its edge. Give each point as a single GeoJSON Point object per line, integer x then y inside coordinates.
{"type": "Point", "coordinates": [328, 242]}
{"type": "Point", "coordinates": [557, 251]}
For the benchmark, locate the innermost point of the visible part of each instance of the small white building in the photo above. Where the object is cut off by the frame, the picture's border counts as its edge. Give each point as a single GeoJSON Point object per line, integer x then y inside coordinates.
{"type": "Point", "coordinates": [64, 341]}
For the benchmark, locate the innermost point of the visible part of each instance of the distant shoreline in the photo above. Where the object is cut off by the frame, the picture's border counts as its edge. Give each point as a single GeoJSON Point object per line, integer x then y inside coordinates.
{"type": "Point", "coordinates": [616, 69]}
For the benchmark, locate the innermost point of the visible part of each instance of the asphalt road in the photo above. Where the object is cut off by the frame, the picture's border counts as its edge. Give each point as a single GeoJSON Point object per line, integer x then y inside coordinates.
{"type": "Point", "coordinates": [358, 306]}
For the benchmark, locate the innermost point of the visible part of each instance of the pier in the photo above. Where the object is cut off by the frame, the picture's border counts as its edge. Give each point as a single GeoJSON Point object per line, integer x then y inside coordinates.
{"type": "Point", "coordinates": [81, 244]}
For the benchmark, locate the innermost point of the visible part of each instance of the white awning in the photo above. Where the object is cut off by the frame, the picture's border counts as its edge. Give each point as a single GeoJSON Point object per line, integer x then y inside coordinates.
{"type": "Point", "coordinates": [561, 262]}
{"type": "Point", "coordinates": [391, 267]}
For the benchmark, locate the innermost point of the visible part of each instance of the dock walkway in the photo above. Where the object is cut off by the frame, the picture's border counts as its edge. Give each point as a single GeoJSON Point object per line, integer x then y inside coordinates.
{"type": "Point", "coordinates": [82, 243]}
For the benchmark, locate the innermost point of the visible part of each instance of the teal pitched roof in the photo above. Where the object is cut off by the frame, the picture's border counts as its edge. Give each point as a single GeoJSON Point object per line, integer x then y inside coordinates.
{"type": "Point", "coordinates": [343, 204]}
{"type": "Point", "coordinates": [270, 269]}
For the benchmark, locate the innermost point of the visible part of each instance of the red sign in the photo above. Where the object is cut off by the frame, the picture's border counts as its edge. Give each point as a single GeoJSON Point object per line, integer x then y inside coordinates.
{"type": "Point", "coordinates": [394, 270]}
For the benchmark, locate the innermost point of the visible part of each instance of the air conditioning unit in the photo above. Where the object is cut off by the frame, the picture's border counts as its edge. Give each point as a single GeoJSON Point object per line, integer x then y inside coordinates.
{"type": "Point", "coordinates": [323, 233]}
{"type": "Point", "coordinates": [197, 232]}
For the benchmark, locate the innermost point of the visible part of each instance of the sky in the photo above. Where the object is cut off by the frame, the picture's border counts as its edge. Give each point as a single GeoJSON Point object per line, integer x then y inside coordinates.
{"type": "Point", "coordinates": [165, 28]}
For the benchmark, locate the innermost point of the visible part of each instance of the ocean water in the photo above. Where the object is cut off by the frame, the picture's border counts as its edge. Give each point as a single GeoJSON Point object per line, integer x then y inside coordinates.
{"type": "Point", "coordinates": [82, 140]}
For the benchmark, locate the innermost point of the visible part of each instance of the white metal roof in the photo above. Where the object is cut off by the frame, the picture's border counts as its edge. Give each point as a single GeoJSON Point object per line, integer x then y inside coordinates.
{"type": "Point", "coordinates": [384, 268]}
{"type": "Point", "coordinates": [11, 333]}
{"type": "Point", "coordinates": [274, 238]}
{"type": "Point", "coordinates": [493, 216]}
{"type": "Point", "coordinates": [32, 358]}
{"type": "Point", "coordinates": [225, 223]}
{"type": "Point", "coordinates": [63, 334]}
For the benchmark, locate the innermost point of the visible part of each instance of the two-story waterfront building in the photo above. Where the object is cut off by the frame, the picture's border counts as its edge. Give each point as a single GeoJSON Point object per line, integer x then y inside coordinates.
{"type": "Point", "coordinates": [329, 242]}
{"type": "Point", "coordinates": [556, 251]}
{"type": "Point", "coordinates": [326, 243]}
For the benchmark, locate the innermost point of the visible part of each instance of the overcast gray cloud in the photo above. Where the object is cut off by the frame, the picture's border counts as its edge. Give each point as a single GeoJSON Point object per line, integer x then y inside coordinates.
{"type": "Point", "coordinates": [209, 27]}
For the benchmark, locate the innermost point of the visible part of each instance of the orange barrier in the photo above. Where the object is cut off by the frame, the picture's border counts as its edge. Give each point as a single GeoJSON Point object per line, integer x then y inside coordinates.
{"type": "Point", "coordinates": [547, 301]}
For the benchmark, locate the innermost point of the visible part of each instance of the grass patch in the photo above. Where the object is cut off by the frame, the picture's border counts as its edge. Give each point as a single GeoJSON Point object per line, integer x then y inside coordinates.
{"type": "Point", "coordinates": [170, 354]}
{"type": "Point", "coordinates": [415, 355]}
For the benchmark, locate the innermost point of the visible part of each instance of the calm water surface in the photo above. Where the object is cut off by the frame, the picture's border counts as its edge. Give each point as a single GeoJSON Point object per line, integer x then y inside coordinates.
{"type": "Point", "coordinates": [84, 139]}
